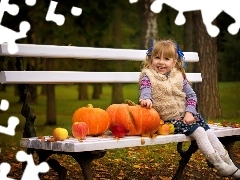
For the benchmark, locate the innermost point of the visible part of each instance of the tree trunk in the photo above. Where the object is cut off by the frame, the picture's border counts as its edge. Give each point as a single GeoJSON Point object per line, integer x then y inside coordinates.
{"type": "Point", "coordinates": [51, 118]}
{"type": "Point", "coordinates": [149, 29]}
{"type": "Point", "coordinates": [188, 38]}
{"type": "Point", "coordinates": [207, 90]}
{"type": "Point", "coordinates": [188, 32]}
{"type": "Point", "coordinates": [97, 90]}
{"type": "Point", "coordinates": [83, 91]}
{"type": "Point", "coordinates": [117, 90]}
{"type": "Point", "coordinates": [51, 105]}
{"type": "Point", "coordinates": [97, 87]}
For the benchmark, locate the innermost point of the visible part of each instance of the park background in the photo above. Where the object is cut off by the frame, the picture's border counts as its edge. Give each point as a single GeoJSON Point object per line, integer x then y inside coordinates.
{"type": "Point", "coordinates": [119, 24]}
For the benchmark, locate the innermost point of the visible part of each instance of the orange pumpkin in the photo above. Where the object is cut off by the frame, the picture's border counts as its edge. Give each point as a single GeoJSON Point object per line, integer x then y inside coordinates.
{"type": "Point", "coordinates": [97, 119]}
{"type": "Point", "coordinates": [138, 120]}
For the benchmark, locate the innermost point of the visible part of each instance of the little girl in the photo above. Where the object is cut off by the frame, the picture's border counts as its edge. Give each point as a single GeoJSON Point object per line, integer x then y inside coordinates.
{"type": "Point", "coordinates": [163, 86]}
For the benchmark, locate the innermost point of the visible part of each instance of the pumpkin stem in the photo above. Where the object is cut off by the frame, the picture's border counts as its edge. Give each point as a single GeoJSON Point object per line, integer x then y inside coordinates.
{"type": "Point", "coordinates": [89, 106]}
{"type": "Point", "coordinates": [130, 103]}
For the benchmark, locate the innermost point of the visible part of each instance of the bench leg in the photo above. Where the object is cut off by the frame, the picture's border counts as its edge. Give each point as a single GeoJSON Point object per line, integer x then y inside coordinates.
{"type": "Point", "coordinates": [24, 164]}
{"type": "Point", "coordinates": [53, 163]}
{"type": "Point", "coordinates": [185, 157]}
{"type": "Point", "coordinates": [61, 170]}
{"type": "Point", "coordinates": [85, 159]}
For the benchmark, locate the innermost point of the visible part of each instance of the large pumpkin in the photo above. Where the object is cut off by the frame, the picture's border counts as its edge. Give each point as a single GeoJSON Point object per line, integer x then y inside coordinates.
{"type": "Point", "coordinates": [138, 120]}
{"type": "Point", "coordinates": [97, 119]}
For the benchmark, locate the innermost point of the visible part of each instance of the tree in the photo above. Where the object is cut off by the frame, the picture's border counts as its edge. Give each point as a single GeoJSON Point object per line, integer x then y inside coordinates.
{"type": "Point", "coordinates": [51, 115]}
{"type": "Point", "coordinates": [207, 90]}
{"type": "Point", "coordinates": [188, 38]}
{"type": "Point", "coordinates": [188, 32]}
{"type": "Point", "coordinates": [149, 28]}
{"type": "Point", "coordinates": [117, 90]}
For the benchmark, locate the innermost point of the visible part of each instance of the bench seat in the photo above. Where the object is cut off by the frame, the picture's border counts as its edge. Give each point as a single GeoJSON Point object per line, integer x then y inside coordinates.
{"type": "Point", "coordinates": [109, 142]}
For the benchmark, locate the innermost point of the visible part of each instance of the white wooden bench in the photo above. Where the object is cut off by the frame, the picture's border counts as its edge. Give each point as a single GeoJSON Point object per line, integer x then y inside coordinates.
{"type": "Point", "coordinates": [95, 147]}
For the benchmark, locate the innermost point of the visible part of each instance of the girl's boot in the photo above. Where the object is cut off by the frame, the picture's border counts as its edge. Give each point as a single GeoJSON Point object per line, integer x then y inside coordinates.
{"type": "Point", "coordinates": [223, 169]}
{"type": "Point", "coordinates": [228, 160]}
{"type": "Point", "coordinates": [217, 145]}
{"type": "Point", "coordinates": [205, 146]}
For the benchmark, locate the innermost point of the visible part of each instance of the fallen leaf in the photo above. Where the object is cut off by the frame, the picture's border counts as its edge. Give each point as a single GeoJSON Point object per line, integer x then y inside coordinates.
{"type": "Point", "coordinates": [137, 166]}
{"type": "Point", "coordinates": [142, 141]}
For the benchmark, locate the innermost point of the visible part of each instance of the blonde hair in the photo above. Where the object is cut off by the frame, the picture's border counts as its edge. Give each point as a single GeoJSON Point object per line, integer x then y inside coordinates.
{"type": "Point", "coordinates": [167, 48]}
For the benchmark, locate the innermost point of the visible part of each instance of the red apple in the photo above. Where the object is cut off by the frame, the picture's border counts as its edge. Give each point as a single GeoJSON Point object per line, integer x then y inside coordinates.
{"type": "Point", "coordinates": [80, 130]}
{"type": "Point", "coordinates": [118, 130]}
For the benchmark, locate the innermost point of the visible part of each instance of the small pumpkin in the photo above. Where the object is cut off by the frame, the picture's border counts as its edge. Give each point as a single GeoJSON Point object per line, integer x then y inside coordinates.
{"type": "Point", "coordinates": [97, 119]}
{"type": "Point", "coordinates": [138, 120]}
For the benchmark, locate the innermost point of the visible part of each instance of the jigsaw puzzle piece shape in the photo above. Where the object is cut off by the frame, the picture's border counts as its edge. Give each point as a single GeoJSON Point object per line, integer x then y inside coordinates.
{"type": "Point", "coordinates": [31, 171]}
{"type": "Point", "coordinates": [4, 170]}
{"type": "Point", "coordinates": [4, 105]}
{"type": "Point", "coordinates": [156, 6]}
{"type": "Point", "coordinates": [133, 1]}
{"type": "Point", "coordinates": [51, 16]}
{"type": "Point", "coordinates": [30, 2]}
{"type": "Point", "coordinates": [76, 11]}
{"type": "Point", "coordinates": [12, 123]}
{"type": "Point", "coordinates": [10, 36]}
{"type": "Point", "coordinates": [12, 9]}
{"type": "Point", "coordinates": [180, 19]}
{"type": "Point", "coordinates": [232, 10]}
{"type": "Point", "coordinates": [208, 17]}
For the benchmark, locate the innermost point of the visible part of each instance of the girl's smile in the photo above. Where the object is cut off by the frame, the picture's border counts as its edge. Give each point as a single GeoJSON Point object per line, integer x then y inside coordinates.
{"type": "Point", "coordinates": [163, 64]}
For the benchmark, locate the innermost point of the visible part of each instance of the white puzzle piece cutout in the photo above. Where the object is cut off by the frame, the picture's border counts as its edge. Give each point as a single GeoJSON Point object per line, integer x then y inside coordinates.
{"type": "Point", "coordinates": [4, 170]}
{"type": "Point", "coordinates": [51, 16]}
{"type": "Point", "coordinates": [210, 9]}
{"type": "Point", "coordinates": [133, 1]}
{"type": "Point", "coordinates": [59, 19]}
{"type": "Point", "coordinates": [76, 11]}
{"type": "Point", "coordinates": [30, 2]}
{"type": "Point", "coordinates": [4, 105]}
{"type": "Point", "coordinates": [12, 121]}
{"type": "Point", "coordinates": [31, 171]}
{"type": "Point", "coordinates": [7, 35]}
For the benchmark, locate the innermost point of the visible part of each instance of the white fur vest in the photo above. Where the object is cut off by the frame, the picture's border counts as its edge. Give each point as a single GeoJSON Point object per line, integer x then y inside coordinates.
{"type": "Point", "coordinates": [168, 98]}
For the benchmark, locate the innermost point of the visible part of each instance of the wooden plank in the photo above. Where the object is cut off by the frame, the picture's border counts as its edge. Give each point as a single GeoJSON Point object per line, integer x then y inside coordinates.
{"type": "Point", "coordinates": [53, 51]}
{"type": "Point", "coordinates": [102, 143]}
{"type": "Point", "coordinates": [56, 77]}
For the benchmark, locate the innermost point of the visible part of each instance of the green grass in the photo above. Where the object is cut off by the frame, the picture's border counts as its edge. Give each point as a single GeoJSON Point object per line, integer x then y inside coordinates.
{"type": "Point", "coordinates": [67, 103]}
{"type": "Point", "coordinates": [230, 101]}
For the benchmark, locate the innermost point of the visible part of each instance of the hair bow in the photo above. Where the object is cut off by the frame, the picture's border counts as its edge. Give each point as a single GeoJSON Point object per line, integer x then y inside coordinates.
{"type": "Point", "coordinates": [181, 55]}
{"type": "Point", "coordinates": [179, 51]}
{"type": "Point", "coordinates": [149, 51]}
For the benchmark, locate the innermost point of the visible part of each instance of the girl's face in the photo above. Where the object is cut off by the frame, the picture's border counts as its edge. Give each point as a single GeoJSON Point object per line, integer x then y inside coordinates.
{"type": "Point", "coordinates": [163, 64]}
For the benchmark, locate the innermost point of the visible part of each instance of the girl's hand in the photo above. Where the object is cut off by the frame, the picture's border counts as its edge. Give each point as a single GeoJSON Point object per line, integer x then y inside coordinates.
{"type": "Point", "coordinates": [146, 103]}
{"type": "Point", "coordinates": [188, 118]}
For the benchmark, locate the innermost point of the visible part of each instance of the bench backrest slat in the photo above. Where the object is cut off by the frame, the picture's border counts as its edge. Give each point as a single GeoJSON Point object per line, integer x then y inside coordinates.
{"type": "Point", "coordinates": [52, 51]}
{"type": "Point", "coordinates": [56, 77]}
